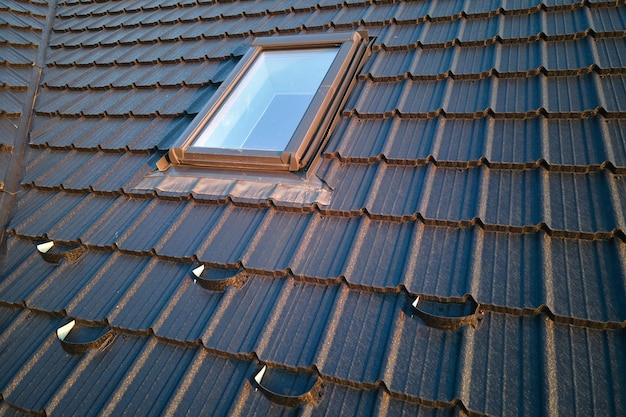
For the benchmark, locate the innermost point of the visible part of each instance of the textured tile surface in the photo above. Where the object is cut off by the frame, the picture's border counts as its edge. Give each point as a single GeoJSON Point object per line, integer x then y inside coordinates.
{"type": "Point", "coordinates": [479, 158]}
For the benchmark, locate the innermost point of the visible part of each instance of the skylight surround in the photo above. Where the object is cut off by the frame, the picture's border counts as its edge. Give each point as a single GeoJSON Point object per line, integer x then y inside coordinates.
{"type": "Point", "coordinates": [277, 108]}
{"type": "Point", "coordinates": [266, 106]}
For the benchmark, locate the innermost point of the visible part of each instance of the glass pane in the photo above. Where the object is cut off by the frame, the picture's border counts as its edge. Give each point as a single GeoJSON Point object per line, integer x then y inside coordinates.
{"type": "Point", "coordinates": [266, 106]}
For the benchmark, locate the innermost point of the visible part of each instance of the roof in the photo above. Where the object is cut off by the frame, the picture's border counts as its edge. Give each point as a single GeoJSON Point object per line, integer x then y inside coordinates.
{"type": "Point", "coordinates": [477, 165]}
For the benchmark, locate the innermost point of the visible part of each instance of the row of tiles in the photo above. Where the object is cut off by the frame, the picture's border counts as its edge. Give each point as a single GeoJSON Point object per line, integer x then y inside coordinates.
{"type": "Point", "coordinates": [15, 77]}
{"type": "Point", "coordinates": [166, 102]}
{"type": "Point", "coordinates": [523, 26]}
{"type": "Point", "coordinates": [12, 102]}
{"type": "Point", "coordinates": [12, 56]}
{"type": "Point", "coordinates": [20, 38]}
{"type": "Point", "coordinates": [587, 202]}
{"type": "Point", "coordinates": [195, 74]}
{"type": "Point", "coordinates": [25, 21]}
{"type": "Point", "coordinates": [554, 94]}
{"type": "Point", "coordinates": [356, 337]}
{"type": "Point", "coordinates": [563, 94]}
{"type": "Point", "coordinates": [37, 8]}
{"type": "Point", "coordinates": [179, 10]}
{"type": "Point", "coordinates": [424, 258]}
{"type": "Point", "coordinates": [577, 142]}
{"type": "Point", "coordinates": [515, 59]}
{"type": "Point", "coordinates": [370, 14]}
{"type": "Point", "coordinates": [178, 380]}
{"type": "Point", "coordinates": [434, 60]}
{"type": "Point", "coordinates": [580, 142]}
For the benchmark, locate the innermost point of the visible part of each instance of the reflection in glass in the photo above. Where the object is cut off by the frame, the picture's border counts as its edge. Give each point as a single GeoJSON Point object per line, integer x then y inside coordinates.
{"type": "Point", "coordinates": [264, 109]}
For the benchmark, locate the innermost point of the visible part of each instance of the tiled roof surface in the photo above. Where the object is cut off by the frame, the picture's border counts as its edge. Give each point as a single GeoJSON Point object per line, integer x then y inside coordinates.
{"type": "Point", "coordinates": [480, 158]}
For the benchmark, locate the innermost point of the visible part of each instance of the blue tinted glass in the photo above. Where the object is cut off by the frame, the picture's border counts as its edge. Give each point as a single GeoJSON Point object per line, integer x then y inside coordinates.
{"type": "Point", "coordinates": [266, 106]}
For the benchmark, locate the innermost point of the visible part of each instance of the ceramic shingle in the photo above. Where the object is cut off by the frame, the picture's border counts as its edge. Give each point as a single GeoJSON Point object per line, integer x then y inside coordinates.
{"type": "Point", "coordinates": [478, 161]}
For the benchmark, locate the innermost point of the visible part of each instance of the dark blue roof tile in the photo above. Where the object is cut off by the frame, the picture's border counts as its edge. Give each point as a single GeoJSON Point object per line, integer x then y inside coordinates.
{"type": "Point", "coordinates": [161, 368]}
{"type": "Point", "coordinates": [146, 232]}
{"type": "Point", "coordinates": [243, 315]}
{"type": "Point", "coordinates": [360, 327]}
{"type": "Point", "coordinates": [68, 285]}
{"type": "Point", "coordinates": [303, 311]}
{"type": "Point", "coordinates": [445, 9]}
{"type": "Point", "coordinates": [606, 19]}
{"type": "Point", "coordinates": [23, 258]}
{"type": "Point", "coordinates": [102, 171]}
{"type": "Point", "coordinates": [144, 303]}
{"type": "Point", "coordinates": [46, 361]}
{"type": "Point", "coordinates": [106, 230]}
{"type": "Point", "coordinates": [8, 132]}
{"type": "Point", "coordinates": [52, 206]}
{"type": "Point", "coordinates": [109, 133]}
{"type": "Point", "coordinates": [211, 386]}
{"type": "Point", "coordinates": [185, 236]}
{"type": "Point", "coordinates": [228, 241]}
{"type": "Point", "coordinates": [107, 276]}
{"type": "Point", "coordinates": [187, 314]}
{"type": "Point", "coordinates": [98, 382]}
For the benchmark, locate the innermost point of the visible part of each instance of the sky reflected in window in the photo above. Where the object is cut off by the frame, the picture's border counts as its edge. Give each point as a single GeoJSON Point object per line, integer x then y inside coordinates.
{"type": "Point", "coordinates": [265, 108]}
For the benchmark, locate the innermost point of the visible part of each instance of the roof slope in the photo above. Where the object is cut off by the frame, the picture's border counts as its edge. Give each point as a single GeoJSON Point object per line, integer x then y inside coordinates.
{"type": "Point", "coordinates": [478, 164]}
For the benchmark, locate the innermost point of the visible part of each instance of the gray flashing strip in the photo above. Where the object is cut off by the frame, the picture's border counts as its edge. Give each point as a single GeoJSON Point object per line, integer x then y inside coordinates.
{"type": "Point", "coordinates": [256, 189]}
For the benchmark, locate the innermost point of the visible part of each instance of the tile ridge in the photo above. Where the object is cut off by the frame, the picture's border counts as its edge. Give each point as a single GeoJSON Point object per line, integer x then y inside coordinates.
{"type": "Point", "coordinates": [133, 86]}
{"type": "Point", "coordinates": [598, 111]}
{"type": "Point", "coordinates": [8, 9]}
{"type": "Point", "coordinates": [128, 114]}
{"type": "Point", "coordinates": [498, 39]}
{"type": "Point", "coordinates": [340, 6]}
{"type": "Point", "coordinates": [475, 163]}
{"type": "Point", "coordinates": [494, 73]}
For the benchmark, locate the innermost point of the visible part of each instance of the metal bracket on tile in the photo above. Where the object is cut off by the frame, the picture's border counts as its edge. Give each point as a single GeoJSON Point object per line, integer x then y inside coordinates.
{"type": "Point", "coordinates": [217, 279]}
{"type": "Point", "coordinates": [447, 322]}
{"type": "Point", "coordinates": [310, 397]}
{"type": "Point", "coordinates": [53, 253]}
{"type": "Point", "coordinates": [76, 347]}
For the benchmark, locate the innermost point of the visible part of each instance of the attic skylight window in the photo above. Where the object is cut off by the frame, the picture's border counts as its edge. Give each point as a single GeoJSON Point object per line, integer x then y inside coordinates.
{"type": "Point", "coordinates": [276, 109]}
{"type": "Point", "coordinates": [263, 110]}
